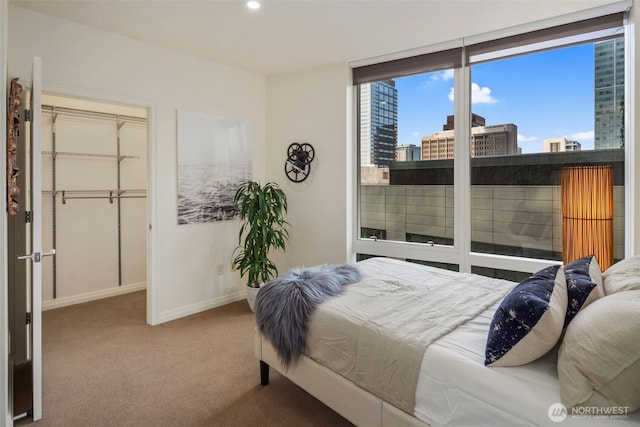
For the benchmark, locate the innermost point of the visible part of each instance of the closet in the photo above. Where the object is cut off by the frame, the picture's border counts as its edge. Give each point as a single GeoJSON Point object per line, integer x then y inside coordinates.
{"type": "Point", "coordinates": [94, 203]}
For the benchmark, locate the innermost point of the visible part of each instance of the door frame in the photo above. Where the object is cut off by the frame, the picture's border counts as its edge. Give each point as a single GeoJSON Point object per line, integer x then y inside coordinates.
{"type": "Point", "coordinates": [152, 227]}
{"type": "Point", "coordinates": [5, 407]}
{"type": "Point", "coordinates": [151, 236]}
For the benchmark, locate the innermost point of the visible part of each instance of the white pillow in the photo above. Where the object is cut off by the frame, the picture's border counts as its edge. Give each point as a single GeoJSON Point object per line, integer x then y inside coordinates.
{"type": "Point", "coordinates": [599, 358]}
{"type": "Point", "coordinates": [529, 321]}
{"type": "Point", "coordinates": [622, 276]}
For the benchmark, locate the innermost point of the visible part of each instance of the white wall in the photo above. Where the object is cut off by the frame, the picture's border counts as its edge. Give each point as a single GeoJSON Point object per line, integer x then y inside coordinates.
{"type": "Point", "coordinates": [78, 60]}
{"type": "Point", "coordinates": [311, 107]}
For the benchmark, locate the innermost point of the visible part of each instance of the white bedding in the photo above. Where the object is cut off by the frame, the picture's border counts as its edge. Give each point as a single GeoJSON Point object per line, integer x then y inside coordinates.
{"type": "Point", "coordinates": [456, 389]}
{"type": "Point", "coordinates": [375, 333]}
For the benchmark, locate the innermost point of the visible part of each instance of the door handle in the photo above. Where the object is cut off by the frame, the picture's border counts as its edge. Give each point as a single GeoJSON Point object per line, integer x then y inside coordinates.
{"type": "Point", "coordinates": [37, 256]}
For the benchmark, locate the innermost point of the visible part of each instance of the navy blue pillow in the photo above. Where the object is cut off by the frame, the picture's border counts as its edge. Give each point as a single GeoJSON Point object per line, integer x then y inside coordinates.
{"type": "Point", "coordinates": [584, 285]}
{"type": "Point", "coordinates": [529, 321]}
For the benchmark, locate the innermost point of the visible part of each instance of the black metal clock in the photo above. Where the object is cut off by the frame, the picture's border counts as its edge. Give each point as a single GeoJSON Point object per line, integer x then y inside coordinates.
{"type": "Point", "coordinates": [298, 163]}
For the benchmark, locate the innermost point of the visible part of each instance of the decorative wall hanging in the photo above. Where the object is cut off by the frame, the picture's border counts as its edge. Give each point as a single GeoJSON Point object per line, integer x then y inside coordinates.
{"type": "Point", "coordinates": [298, 163]}
{"type": "Point", "coordinates": [15, 101]}
{"type": "Point", "coordinates": [214, 158]}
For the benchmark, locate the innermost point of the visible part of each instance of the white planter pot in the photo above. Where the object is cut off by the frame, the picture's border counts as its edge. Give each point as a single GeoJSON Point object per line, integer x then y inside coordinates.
{"type": "Point", "coordinates": [251, 297]}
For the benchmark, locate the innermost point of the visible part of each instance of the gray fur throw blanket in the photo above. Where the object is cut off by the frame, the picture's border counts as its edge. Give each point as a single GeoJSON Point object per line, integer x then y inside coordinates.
{"type": "Point", "coordinates": [283, 305]}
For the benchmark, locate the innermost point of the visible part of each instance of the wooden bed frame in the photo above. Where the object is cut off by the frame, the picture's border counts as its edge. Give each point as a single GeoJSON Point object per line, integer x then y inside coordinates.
{"type": "Point", "coordinates": [355, 404]}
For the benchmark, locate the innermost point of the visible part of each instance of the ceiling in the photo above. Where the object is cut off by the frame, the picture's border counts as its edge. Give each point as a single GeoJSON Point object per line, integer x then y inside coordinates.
{"type": "Point", "coordinates": [289, 35]}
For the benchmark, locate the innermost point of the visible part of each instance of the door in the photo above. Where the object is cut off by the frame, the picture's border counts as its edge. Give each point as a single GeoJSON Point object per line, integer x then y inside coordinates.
{"type": "Point", "coordinates": [25, 262]}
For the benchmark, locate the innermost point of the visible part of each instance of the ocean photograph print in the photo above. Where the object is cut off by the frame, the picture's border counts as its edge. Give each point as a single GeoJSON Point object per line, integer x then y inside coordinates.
{"type": "Point", "coordinates": [214, 158]}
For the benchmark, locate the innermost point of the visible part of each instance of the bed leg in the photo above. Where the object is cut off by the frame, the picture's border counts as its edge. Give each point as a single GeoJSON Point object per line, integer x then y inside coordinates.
{"type": "Point", "coordinates": [264, 373]}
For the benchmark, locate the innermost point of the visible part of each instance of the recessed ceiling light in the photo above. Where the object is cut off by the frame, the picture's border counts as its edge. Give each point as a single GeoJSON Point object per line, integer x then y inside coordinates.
{"type": "Point", "coordinates": [253, 5]}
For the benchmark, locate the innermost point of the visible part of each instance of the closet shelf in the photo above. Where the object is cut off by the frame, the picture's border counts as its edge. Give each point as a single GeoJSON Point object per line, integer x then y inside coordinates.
{"type": "Point", "coordinates": [91, 116]}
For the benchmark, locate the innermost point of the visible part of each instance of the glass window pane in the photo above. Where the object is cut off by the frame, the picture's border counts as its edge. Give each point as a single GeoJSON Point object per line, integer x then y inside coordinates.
{"type": "Point", "coordinates": [406, 159]}
{"type": "Point", "coordinates": [566, 107]}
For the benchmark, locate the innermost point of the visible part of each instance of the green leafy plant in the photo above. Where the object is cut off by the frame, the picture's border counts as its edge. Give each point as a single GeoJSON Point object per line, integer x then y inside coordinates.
{"type": "Point", "coordinates": [262, 212]}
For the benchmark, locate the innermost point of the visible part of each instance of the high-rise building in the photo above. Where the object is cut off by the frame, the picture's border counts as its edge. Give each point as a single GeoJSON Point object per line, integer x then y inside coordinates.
{"type": "Point", "coordinates": [609, 94]}
{"type": "Point", "coordinates": [378, 122]}
{"type": "Point", "coordinates": [476, 120]}
{"type": "Point", "coordinates": [408, 153]}
{"type": "Point", "coordinates": [554, 145]}
{"type": "Point", "coordinates": [495, 140]}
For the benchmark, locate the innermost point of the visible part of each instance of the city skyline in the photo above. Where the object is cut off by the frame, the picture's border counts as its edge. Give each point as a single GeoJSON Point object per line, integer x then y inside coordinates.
{"type": "Point", "coordinates": [533, 91]}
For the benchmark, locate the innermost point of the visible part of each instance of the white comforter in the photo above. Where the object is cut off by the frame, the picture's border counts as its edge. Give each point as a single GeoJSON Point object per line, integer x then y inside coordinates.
{"type": "Point", "coordinates": [376, 332]}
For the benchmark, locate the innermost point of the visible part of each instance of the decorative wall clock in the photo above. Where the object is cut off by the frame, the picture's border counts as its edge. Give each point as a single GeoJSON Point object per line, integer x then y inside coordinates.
{"type": "Point", "coordinates": [298, 163]}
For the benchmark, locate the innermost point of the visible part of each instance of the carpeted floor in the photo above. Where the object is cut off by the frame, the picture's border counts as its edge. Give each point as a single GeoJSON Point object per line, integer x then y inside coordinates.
{"type": "Point", "coordinates": [104, 366]}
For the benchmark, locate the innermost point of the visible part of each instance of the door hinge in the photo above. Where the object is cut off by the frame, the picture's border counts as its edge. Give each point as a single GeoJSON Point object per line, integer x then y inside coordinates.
{"type": "Point", "coordinates": [27, 115]}
{"type": "Point", "coordinates": [27, 217]}
{"type": "Point", "coordinates": [28, 318]}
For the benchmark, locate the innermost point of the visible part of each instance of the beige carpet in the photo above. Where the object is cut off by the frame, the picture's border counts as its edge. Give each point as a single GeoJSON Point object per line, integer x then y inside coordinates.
{"type": "Point", "coordinates": [104, 366]}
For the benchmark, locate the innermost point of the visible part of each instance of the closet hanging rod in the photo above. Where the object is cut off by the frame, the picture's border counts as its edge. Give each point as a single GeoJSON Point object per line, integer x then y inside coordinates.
{"type": "Point", "coordinates": [98, 194]}
{"type": "Point", "coordinates": [73, 154]}
{"type": "Point", "coordinates": [89, 192]}
{"type": "Point", "coordinates": [111, 198]}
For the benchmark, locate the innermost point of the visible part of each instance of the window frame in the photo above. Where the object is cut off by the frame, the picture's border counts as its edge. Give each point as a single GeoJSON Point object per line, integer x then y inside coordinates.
{"type": "Point", "coordinates": [460, 252]}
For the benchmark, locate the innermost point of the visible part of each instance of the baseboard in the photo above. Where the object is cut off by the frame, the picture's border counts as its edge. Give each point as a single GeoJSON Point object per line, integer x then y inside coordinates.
{"type": "Point", "coordinates": [201, 306]}
{"type": "Point", "coordinates": [91, 296]}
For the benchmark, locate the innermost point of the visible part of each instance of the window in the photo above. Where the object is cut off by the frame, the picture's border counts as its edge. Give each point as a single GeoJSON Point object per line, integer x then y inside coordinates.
{"type": "Point", "coordinates": [393, 196]}
{"type": "Point", "coordinates": [516, 199]}
{"type": "Point", "coordinates": [524, 108]}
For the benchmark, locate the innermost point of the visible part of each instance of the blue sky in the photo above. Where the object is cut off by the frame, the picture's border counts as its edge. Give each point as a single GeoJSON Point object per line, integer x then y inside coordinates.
{"type": "Point", "coordinates": [546, 95]}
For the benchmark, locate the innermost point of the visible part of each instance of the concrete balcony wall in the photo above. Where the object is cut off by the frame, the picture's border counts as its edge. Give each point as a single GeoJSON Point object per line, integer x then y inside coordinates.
{"type": "Point", "coordinates": [520, 216]}
{"type": "Point", "coordinates": [618, 222]}
{"type": "Point", "coordinates": [396, 212]}
{"type": "Point", "coordinates": [527, 217]}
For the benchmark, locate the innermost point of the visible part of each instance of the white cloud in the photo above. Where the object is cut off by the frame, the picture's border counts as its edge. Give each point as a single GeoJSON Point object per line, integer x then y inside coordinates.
{"type": "Point", "coordinates": [479, 95]}
{"type": "Point", "coordinates": [441, 76]}
{"type": "Point", "coordinates": [416, 134]}
{"type": "Point", "coordinates": [444, 75]}
{"type": "Point", "coordinates": [581, 136]}
{"type": "Point", "coordinates": [522, 138]}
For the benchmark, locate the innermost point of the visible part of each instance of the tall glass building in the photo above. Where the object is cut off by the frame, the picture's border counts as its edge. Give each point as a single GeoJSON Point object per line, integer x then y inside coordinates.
{"type": "Point", "coordinates": [378, 122]}
{"type": "Point", "coordinates": [609, 94]}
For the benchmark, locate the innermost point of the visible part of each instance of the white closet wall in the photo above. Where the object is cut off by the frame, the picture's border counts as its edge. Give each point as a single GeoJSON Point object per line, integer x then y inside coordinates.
{"type": "Point", "coordinates": [94, 201]}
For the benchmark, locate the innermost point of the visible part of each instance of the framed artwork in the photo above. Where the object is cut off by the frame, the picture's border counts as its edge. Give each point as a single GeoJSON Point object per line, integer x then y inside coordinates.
{"type": "Point", "coordinates": [214, 158]}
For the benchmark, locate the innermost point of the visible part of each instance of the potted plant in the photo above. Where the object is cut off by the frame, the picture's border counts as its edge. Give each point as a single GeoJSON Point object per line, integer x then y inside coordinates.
{"type": "Point", "coordinates": [262, 212]}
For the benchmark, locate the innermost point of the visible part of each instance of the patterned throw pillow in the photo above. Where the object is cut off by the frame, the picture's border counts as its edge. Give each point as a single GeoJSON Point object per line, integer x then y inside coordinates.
{"type": "Point", "coordinates": [529, 321]}
{"type": "Point", "coordinates": [584, 285]}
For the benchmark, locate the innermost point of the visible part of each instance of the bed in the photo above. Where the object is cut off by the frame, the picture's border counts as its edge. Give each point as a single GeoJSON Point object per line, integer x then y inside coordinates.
{"type": "Point", "coordinates": [357, 361]}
